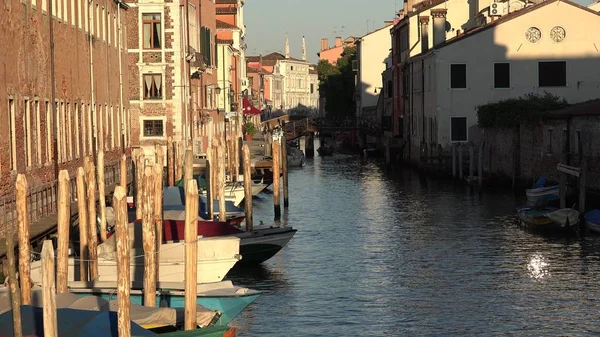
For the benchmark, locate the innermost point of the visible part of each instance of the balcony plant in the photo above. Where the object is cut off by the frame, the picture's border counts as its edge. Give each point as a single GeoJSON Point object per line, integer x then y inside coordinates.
{"type": "Point", "coordinates": [250, 130]}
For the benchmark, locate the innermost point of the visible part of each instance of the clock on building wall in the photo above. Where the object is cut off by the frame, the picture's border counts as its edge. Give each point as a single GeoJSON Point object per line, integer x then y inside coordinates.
{"type": "Point", "coordinates": [557, 34]}
{"type": "Point", "coordinates": [533, 34]}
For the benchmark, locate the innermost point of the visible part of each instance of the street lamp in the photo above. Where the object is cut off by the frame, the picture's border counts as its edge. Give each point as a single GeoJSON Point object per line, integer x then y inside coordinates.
{"type": "Point", "coordinates": [218, 90]}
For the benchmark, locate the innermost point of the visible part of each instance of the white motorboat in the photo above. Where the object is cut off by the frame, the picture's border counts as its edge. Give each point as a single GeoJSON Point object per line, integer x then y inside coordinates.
{"type": "Point", "coordinates": [216, 256]}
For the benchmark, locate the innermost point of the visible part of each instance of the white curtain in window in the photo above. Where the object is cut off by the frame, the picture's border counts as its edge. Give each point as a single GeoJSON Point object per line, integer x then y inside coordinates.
{"type": "Point", "coordinates": [157, 82]}
{"type": "Point", "coordinates": [147, 35]}
{"type": "Point", "coordinates": [157, 36]}
{"type": "Point", "coordinates": [148, 83]}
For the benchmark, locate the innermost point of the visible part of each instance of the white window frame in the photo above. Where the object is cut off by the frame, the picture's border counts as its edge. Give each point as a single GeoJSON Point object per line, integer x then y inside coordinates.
{"type": "Point", "coordinates": [144, 118]}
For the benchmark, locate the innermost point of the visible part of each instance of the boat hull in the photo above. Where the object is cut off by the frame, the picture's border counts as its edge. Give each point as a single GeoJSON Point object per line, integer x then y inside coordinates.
{"type": "Point", "coordinates": [543, 194]}
{"type": "Point", "coordinates": [216, 257]}
{"type": "Point", "coordinates": [263, 244]}
{"type": "Point", "coordinates": [537, 219]}
{"type": "Point", "coordinates": [230, 301]}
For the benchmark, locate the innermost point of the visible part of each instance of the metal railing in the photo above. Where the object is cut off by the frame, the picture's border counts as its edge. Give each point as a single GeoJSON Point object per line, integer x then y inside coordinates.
{"type": "Point", "coordinates": [42, 201]}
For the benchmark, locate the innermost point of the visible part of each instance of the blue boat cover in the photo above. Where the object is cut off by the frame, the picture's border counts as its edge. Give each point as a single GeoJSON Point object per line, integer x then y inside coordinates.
{"type": "Point", "coordinates": [593, 216]}
{"type": "Point", "coordinates": [540, 183]}
{"type": "Point", "coordinates": [71, 323]}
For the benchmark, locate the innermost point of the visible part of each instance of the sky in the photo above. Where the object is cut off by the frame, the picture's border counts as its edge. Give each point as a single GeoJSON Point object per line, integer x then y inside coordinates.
{"type": "Point", "coordinates": [267, 22]}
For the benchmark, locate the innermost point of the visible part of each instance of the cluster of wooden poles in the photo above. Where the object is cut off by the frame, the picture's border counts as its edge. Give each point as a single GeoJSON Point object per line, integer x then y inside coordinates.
{"type": "Point", "coordinates": [148, 200]}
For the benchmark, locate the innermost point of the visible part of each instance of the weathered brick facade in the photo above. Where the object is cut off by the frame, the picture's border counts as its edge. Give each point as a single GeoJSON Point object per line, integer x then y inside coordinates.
{"type": "Point", "coordinates": [25, 94]}
{"type": "Point", "coordinates": [168, 61]}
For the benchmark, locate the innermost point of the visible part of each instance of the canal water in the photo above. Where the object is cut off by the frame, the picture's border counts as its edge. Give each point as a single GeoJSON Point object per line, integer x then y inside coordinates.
{"type": "Point", "coordinates": [393, 254]}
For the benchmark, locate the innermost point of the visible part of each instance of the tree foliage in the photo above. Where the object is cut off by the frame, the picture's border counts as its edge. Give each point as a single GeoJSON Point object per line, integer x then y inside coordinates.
{"type": "Point", "coordinates": [516, 111]}
{"type": "Point", "coordinates": [336, 84]}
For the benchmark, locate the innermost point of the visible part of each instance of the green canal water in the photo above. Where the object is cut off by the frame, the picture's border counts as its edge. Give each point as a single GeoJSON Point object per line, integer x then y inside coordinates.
{"type": "Point", "coordinates": [393, 254]}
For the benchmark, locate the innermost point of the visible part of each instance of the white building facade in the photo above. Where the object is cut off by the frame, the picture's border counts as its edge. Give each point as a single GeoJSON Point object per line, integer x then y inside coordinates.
{"type": "Point", "coordinates": [373, 55]}
{"type": "Point", "coordinates": [543, 48]}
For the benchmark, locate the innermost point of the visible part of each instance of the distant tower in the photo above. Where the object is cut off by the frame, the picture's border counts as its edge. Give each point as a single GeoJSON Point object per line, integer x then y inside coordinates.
{"type": "Point", "coordinates": [287, 47]}
{"type": "Point", "coordinates": [303, 49]}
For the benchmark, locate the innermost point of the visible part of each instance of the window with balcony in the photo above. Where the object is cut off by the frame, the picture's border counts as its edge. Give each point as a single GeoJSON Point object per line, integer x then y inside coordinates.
{"type": "Point", "coordinates": [152, 86]}
{"type": "Point", "coordinates": [151, 31]}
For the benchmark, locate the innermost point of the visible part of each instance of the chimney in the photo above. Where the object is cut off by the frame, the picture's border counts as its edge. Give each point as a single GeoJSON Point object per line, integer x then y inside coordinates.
{"type": "Point", "coordinates": [303, 49]}
{"type": "Point", "coordinates": [287, 47]}
{"type": "Point", "coordinates": [439, 25]}
{"type": "Point", "coordinates": [338, 41]}
{"type": "Point", "coordinates": [324, 44]}
{"type": "Point", "coordinates": [408, 6]}
{"type": "Point", "coordinates": [424, 21]}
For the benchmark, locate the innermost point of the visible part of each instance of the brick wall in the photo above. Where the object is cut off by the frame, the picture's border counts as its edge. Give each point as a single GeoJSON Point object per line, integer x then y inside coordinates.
{"type": "Point", "coordinates": [25, 76]}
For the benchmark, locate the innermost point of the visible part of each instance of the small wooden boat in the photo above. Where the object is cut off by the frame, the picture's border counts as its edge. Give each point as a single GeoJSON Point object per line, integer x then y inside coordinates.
{"type": "Point", "coordinates": [535, 217]}
{"type": "Point", "coordinates": [564, 217]}
{"type": "Point", "coordinates": [541, 194]}
{"type": "Point", "coordinates": [592, 220]}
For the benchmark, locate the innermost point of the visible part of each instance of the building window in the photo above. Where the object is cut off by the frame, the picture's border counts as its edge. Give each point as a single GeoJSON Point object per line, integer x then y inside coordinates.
{"type": "Point", "coordinates": [458, 76]}
{"type": "Point", "coordinates": [12, 135]}
{"type": "Point", "coordinates": [27, 132]}
{"type": "Point", "coordinates": [48, 110]}
{"type": "Point", "coordinates": [552, 74]}
{"type": "Point", "coordinates": [312, 88]}
{"type": "Point", "coordinates": [151, 31]}
{"type": "Point", "coordinates": [69, 138]}
{"type": "Point", "coordinates": [388, 90]}
{"type": "Point", "coordinates": [76, 110]}
{"type": "Point", "coordinates": [38, 132]}
{"type": "Point", "coordinates": [153, 128]}
{"type": "Point", "coordinates": [501, 75]}
{"type": "Point", "coordinates": [578, 142]}
{"type": "Point", "coordinates": [458, 126]}
{"type": "Point", "coordinates": [152, 86]}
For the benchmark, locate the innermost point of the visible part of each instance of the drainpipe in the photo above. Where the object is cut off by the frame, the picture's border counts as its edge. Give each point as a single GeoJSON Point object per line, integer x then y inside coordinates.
{"type": "Point", "coordinates": [53, 85]}
{"type": "Point", "coordinates": [94, 122]}
{"type": "Point", "coordinates": [121, 112]}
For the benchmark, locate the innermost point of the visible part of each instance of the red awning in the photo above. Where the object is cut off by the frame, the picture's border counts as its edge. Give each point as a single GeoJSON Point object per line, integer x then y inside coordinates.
{"type": "Point", "coordinates": [249, 109]}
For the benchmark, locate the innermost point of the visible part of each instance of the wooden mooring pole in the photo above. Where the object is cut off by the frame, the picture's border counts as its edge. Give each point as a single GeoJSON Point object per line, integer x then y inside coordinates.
{"type": "Point", "coordinates": [276, 176]}
{"type": "Point", "coordinates": [284, 167]}
{"type": "Point", "coordinates": [460, 162]}
{"type": "Point", "coordinates": [170, 162]}
{"type": "Point", "coordinates": [471, 164]}
{"type": "Point", "coordinates": [140, 163]}
{"type": "Point", "coordinates": [480, 163]}
{"type": "Point", "coordinates": [208, 174]}
{"type": "Point", "coordinates": [49, 290]}
{"type": "Point", "coordinates": [188, 168]}
{"type": "Point", "coordinates": [454, 160]}
{"type": "Point", "coordinates": [158, 215]}
{"type": "Point", "coordinates": [64, 217]}
{"type": "Point", "coordinates": [247, 188]}
{"type": "Point", "coordinates": [15, 292]}
{"type": "Point", "coordinates": [221, 181]}
{"type": "Point", "coordinates": [191, 253]}
{"type": "Point", "coordinates": [149, 238]}
{"type": "Point", "coordinates": [92, 229]}
{"type": "Point", "coordinates": [123, 267]}
{"type": "Point", "coordinates": [123, 172]}
{"type": "Point", "coordinates": [102, 196]}
{"type": "Point", "coordinates": [83, 225]}
{"type": "Point", "coordinates": [24, 246]}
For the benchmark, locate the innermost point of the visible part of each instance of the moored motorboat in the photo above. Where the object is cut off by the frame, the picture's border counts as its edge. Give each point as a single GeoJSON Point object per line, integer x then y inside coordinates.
{"type": "Point", "coordinates": [257, 246]}
{"type": "Point", "coordinates": [537, 218]}
{"type": "Point", "coordinates": [541, 194]}
{"type": "Point", "coordinates": [224, 297]}
{"type": "Point", "coordinates": [216, 256]}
